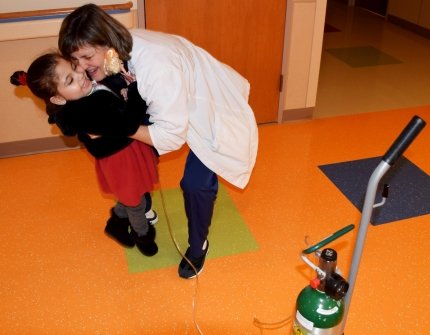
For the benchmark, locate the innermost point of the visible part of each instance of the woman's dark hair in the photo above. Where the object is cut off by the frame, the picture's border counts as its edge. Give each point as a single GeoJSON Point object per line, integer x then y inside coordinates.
{"type": "Point", "coordinates": [41, 77]}
{"type": "Point", "coordinates": [91, 25]}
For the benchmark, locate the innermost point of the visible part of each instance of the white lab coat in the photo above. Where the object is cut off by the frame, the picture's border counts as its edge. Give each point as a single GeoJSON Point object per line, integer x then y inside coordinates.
{"type": "Point", "coordinates": [196, 99]}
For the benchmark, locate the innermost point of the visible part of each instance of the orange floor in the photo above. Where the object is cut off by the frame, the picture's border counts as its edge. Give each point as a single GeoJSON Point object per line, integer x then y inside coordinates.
{"type": "Point", "coordinates": [61, 275]}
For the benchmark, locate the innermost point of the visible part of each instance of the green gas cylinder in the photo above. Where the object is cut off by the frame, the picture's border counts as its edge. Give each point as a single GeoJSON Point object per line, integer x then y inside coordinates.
{"type": "Point", "coordinates": [317, 313]}
{"type": "Point", "coordinates": [320, 305]}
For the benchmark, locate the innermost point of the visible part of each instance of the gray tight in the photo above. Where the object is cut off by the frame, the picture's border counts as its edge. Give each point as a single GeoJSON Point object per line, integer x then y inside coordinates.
{"type": "Point", "coordinates": [136, 216]}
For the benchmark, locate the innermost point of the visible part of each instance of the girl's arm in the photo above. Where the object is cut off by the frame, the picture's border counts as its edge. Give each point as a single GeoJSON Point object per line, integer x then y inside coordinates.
{"type": "Point", "coordinates": [103, 113]}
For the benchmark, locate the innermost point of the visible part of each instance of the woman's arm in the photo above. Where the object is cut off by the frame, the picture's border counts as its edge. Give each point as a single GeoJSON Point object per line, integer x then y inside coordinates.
{"type": "Point", "coordinates": [143, 135]}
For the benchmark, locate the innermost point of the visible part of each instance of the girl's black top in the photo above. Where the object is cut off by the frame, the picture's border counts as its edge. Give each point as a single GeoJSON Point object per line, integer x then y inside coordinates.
{"type": "Point", "coordinates": [102, 113]}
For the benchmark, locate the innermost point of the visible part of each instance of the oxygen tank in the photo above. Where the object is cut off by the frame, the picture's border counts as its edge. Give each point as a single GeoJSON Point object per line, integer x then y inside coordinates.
{"type": "Point", "coordinates": [320, 305]}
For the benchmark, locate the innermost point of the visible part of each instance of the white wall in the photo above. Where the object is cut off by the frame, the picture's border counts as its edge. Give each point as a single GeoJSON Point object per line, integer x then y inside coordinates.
{"type": "Point", "coordinates": [408, 10]}
{"type": "Point", "coordinates": [23, 117]}
{"type": "Point", "coordinates": [9, 6]}
{"type": "Point", "coordinates": [26, 29]}
{"type": "Point", "coordinates": [414, 11]}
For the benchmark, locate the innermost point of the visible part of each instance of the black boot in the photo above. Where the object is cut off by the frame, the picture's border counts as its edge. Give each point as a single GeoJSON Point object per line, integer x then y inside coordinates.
{"type": "Point", "coordinates": [117, 228]}
{"type": "Point", "coordinates": [146, 243]}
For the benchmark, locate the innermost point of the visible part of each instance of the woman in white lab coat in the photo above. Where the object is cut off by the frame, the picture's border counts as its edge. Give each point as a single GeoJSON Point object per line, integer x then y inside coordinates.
{"type": "Point", "coordinates": [192, 98]}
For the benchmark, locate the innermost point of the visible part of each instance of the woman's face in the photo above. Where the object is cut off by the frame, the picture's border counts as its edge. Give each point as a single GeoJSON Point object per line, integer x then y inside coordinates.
{"type": "Point", "coordinates": [90, 59]}
{"type": "Point", "coordinates": [71, 85]}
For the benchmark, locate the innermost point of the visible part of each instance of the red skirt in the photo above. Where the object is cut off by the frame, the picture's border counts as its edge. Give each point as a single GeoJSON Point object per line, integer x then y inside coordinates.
{"type": "Point", "coordinates": [129, 173]}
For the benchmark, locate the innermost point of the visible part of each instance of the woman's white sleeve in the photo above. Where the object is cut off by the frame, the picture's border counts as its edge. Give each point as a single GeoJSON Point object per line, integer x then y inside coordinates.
{"type": "Point", "coordinates": [167, 98]}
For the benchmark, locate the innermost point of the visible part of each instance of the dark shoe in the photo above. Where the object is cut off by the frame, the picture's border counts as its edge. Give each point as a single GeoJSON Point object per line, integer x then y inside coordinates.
{"type": "Point", "coordinates": [152, 217]}
{"type": "Point", "coordinates": [117, 229]}
{"type": "Point", "coordinates": [152, 233]}
{"type": "Point", "coordinates": [146, 243]}
{"type": "Point", "coordinates": [185, 270]}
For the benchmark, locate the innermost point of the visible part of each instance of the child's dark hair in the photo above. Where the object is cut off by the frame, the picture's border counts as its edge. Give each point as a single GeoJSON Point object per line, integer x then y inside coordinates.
{"type": "Point", "coordinates": [40, 77]}
{"type": "Point", "coordinates": [91, 25]}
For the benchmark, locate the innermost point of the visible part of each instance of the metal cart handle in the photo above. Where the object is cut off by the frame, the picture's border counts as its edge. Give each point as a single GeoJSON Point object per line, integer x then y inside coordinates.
{"type": "Point", "coordinates": [403, 141]}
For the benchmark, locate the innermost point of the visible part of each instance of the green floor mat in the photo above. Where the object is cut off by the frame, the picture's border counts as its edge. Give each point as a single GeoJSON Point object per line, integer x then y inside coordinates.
{"type": "Point", "coordinates": [363, 56]}
{"type": "Point", "coordinates": [228, 233]}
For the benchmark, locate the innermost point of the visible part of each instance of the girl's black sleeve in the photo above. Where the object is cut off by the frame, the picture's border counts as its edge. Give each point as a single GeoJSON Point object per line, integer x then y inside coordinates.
{"type": "Point", "coordinates": [103, 146]}
{"type": "Point", "coordinates": [104, 113]}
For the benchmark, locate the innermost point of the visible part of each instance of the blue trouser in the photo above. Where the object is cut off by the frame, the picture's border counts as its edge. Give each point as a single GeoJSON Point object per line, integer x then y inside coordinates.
{"type": "Point", "coordinates": [200, 188]}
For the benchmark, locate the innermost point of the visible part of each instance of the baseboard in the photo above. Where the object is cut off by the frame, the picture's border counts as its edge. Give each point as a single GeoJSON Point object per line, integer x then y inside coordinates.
{"type": "Point", "coordinates": [38, 145]}
{"type": "Point", "coordinates": [297, 114]}
{"type": "Point", "coordinates": [425, 32]}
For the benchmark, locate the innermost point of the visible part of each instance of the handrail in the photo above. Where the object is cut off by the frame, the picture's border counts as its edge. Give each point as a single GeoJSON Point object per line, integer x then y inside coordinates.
{"type": "Point", "coordinates": [59, 11]}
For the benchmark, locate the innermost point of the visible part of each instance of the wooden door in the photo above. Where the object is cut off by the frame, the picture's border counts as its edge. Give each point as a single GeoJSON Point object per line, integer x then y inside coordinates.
{"type": "Point", "coordinates": [248, 35]}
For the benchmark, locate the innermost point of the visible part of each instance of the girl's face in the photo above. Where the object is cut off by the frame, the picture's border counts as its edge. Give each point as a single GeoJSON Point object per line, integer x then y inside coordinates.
{"type": "Point", "coordinates": [91, 59]}
{"type": "Point", "coordinates": [71, 85]}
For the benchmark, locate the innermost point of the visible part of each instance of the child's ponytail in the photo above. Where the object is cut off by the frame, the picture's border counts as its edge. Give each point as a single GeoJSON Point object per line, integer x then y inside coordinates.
{"type": "Point", "coordinates": [19, 78]}
{"type": "Point", "coordinates": [40, 78]}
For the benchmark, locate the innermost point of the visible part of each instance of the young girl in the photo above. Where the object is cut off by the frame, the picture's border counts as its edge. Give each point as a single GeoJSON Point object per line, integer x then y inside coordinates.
{"type": "Point", "coordinates": [125, 168]}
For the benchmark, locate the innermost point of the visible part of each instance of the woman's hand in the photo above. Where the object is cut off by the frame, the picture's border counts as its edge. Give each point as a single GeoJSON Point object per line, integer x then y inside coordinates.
{"type": "Point", "coordinates": [142, 135]}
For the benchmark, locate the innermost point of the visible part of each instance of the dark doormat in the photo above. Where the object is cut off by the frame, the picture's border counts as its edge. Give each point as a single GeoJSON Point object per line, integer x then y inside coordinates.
{"type": "Point", "coordinates": [409, 194]}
